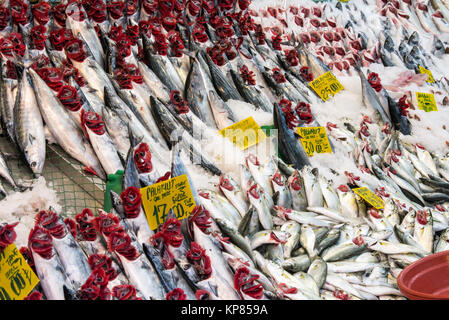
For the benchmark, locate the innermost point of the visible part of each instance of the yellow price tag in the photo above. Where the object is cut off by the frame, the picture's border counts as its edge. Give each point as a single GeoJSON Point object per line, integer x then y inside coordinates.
{"type": "Point", "coordinates": [426, 101]}
{"type": "Point", "coordinates": [370, 197]}
{"type": "Point", "coordinates": [159, 198]}
{"type": "Point", "coordinates": [314, 139]}
{"type": "Point", "coordinates": [244, 134]}
{"type": "Point", "coordinates": [430, 78]}
{"type": "Point", "coordinates": [326, 85]}
{"type": "Point", "coordinates": [17, 279]}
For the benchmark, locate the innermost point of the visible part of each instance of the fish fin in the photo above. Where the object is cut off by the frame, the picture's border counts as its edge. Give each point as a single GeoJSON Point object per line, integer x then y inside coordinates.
{"type": "Point", "coordinates": [276, 197]}
{"type": "Point", "coordinates": [191, 54]}
{"type": "Point", "coordinates": [70, 294]}
{"type": "Point", "coordinates": [31, 138]}
{"type": "Point", "coordinates": [213, 288]}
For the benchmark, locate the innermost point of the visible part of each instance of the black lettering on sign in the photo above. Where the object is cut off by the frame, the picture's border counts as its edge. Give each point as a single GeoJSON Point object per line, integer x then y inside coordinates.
{"type": "Point", "coordinates": [17, 283]}
{"type": "Point", "coordinates": [4, 295]}
{"type": "Point", "coordinates": [179, 210]}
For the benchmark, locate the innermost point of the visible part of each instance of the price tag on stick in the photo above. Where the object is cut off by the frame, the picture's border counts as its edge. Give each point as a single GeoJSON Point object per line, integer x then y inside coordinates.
{"type": "Point", "coordinates": [17, 279]}
{"type": "Point", "coordinates": [314, 139]}
{"type": "Point", "coordinates": [370, 197]}
{"type": "Point", "coordinates": [159, 198]}
{"type": "Point", "coordinates": [326, 85]}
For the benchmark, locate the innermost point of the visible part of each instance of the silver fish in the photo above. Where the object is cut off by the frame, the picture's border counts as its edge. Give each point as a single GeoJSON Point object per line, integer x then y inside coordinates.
{"type": "Point", "coordinates": [62, 127]}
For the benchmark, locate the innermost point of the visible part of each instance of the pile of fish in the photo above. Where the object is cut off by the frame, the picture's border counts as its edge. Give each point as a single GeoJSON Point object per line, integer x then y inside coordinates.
{"type": "Point", "coordinates": [139, 86]}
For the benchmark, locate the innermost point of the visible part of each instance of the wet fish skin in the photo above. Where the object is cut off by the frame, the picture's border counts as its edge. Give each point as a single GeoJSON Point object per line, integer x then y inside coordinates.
{"type": "Point", "coordinates": [296, 187]}
{"type": "Point", "coordinates": [307, 239]}
{"type": "Point", "coordinates": [250, 94]}
{"type": "Point", "coordinates": [223, 115]}
{"type": "Point", "coordinates": [232, 191]}
{"type": "Point", "coordinates": [371, 100]}
{"type": "Point", "coordinates": [72, 258]}
{"type": "Point", "coordinates": [256, 199]}
{"type": "Point", "coordinates": [243, 243]}
{"type": "Point", "coordinates": [197, 93]}
{"type": "Point", "coordinates": [87, 32]}
{"type": "Point", "coordinates": [223, 88]}
{"type": "Point", "coordinates": [318, 271]}
{"type": "Point", "coordinates": [163, 68]}
{"type": "Point", "coordinates": [442, 244]}
{"type": "Point", "coordinates": [118, 130]}
{"type": "Point", "coordinates": [62, 127]}
{"type": "Point", "coordinates": [249, 224]}
{"type": "Point", "coordinates": [330, 239]}
{"type": "Point", "coordinates": [106, 151]}
{"type": "Point", "coordinates": [8, 93]}
{"type": "Point", "coordinates": [294, 229]}
{"type": "Point", "coordinates": [5, 172]}
{"type": "Point", "coordinates": [52, 276]}
{"type": "Point", "coordinates": [268, 237]}
{"type": "Point", "coordinates": [296, 264]}
{"type": "Point", "coordinates": [342, 251]}
{"type": "Point", "coordinates": [289, 147]}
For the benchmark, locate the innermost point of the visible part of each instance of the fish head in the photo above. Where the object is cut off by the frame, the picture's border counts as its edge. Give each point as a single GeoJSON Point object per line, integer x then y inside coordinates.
{"type": "Point", "coordinates": [226, 182]}
{"type": "Point", "coordinates": [40, 241]}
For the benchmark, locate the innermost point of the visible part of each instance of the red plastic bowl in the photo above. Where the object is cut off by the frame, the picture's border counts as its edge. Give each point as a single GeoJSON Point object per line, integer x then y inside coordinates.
{"type": "Point", "coordinates": [427, 278]}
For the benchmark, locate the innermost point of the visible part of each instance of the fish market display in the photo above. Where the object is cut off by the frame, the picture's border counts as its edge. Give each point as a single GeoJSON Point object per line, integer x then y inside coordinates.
{"type": "Point", "coordinates": [147, 87]}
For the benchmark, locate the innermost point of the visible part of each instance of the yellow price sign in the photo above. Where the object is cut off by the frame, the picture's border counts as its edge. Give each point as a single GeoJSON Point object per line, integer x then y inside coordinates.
{"type": "Point", "coordinates": [159, 198]}
{"type": "Point", "coordinates": [370, 197]}
{"type": "Point", "coordinates": [326, 85]}
{"type": "Point", "coordinates": [430, 78]}
{"type": "Point", "coordinates": [17, 279]}
{"type": "Point", "coordinates": [244, 134]}
{"type": "Point", "coordinates": [426, 101]}
{"type": "Point", "coordinates": [314, 139]}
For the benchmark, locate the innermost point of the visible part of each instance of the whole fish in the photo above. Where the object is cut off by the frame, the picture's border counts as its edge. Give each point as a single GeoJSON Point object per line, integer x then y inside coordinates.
{"type": "Point", "coordinates": [198, 88]}
{"type": "Point", "coordinates": [289, 147]}
{"type": "Point", "coordinates": [72, 257]}
{"type": "Point", "coordinates": [102, 143]}
{"type": "Point", "coordinates": [371, 100]}
{"type": "Point", "coordinates": [223, 115]}
{"type": "Point", "coordinates": [75, 14]}
{"type": "Point", "coordinates": [8, 93]}
{"type": "Point", "coordinates": [63, 128]}
{"type": "Point", "coordinates": [162, 67]}
{"type": "Point", "coordinates": [51, 274]}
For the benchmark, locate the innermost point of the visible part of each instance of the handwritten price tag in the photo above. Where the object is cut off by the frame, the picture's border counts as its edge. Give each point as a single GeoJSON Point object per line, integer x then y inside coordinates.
{"type": "Point", "coordinates": [426, 101]}
{"type": "Point", "coordinates": [430, 78]}
{"type": "Point", "coordinates": [326, 85]}
{"type": "Point", "coordinates": [314, 139]}
{"type": "Point", "coordinates": [17, 279]}
{"type": "Point", "coordinates": [370, 197]}
{"type": "Point", "coordinates": [159, 198]}
{"type": "Point", "coordinates": [244, 134]}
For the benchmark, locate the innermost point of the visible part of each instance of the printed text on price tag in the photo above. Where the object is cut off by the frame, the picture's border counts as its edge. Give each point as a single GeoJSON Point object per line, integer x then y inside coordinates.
{"type": "Point", "coordinates": [430, 78]}
{"type": "Point", "coordinates": [326, 85]}
{"type": "Point", "coordinates": [369, 197]}
{"type": "Point", "coordinates": [426, 101]}
{"type": "Point", "coordinates": [244, 134]}
{"type": "Point", "coordinates": [17, 279]}
{"type": "Point", "coordinates": [160, 197]}
{"type": "Point", "coordinates": [314, 140]}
